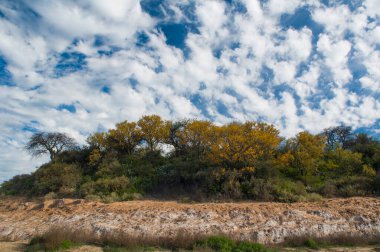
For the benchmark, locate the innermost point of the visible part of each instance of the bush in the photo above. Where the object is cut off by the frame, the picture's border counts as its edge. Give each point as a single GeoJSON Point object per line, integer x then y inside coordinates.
{"type": "Point", "coordinates": [18, 185]}
{"type": "Point", "coordinates": [92, 197]}
{"type": "Point", "coordinates": [329, 189]}
{"type": "Point", "coordinates": [354, 186]}
{"type": "Point", "coordinates": [311, 243]}
{"type": "Point", "coordinates": [217, 243]}
{"type": "Point", "coordinates": [50, 196]}
{"type": "Point", "coordinates": [259, 189]}
{"type": "Point", "coordinates": [311, 197]}
{"type": "Point", "coordinates": [60, 178]}
{"type": "Point", "coordinates": [107, 186]}
{"type": "Point", "coordinates": [245, 246]}
{"type": "Point", "coordinates": [288, 191]}
{"type": "Point", "coordinates": [376, 185]}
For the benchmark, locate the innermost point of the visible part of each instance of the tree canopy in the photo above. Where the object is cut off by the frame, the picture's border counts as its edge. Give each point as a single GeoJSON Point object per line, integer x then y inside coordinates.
{"type": "Point", "coordinates": [52, 143]}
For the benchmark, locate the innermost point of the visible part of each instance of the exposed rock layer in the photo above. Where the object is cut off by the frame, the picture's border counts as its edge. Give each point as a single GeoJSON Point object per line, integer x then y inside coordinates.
{"type": "Point", "coordinates": [261, 222]}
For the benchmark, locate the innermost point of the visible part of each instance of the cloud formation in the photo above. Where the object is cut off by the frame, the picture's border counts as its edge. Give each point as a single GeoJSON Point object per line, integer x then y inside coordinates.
{"type": "Point", "coordinates": [81, 66]}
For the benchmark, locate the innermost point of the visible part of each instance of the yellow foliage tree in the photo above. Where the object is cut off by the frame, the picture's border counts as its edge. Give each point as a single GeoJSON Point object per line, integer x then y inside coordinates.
{"type": "Point", "coordinates": [154, 131]}
{"type": "Point", "coordinates": [306, 149]}
{"type": "Point", "coordinates": [241, 145]}
{"type": "Point", "coordinates": [99, 140]}
{"type": "Point", "coordinates": [197, 137]}
{"type": "Point", "coordinates": [125, 137]}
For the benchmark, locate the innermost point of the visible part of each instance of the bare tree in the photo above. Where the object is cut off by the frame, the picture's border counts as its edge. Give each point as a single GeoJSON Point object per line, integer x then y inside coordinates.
{"type": "Point", "coordinates": [337, 136]}
{"type": "Point", "coordinates": [52, 143]}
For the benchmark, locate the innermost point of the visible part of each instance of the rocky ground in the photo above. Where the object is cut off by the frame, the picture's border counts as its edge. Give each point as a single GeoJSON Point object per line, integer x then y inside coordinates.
{"type": "Point", "coordinates": [266, 223]}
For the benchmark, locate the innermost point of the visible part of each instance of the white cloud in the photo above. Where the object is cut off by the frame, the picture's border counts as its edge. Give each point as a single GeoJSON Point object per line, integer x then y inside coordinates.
{"type": "Point", "coordinates": [336, 56]}
{"type": "Point", "coordinates": [165, 79]}
{"type": "Point", "coordinates": [277, 7]}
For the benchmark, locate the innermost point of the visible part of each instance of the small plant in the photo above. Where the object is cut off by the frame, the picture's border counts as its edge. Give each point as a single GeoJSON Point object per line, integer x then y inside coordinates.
{"type": "Point", "coordinates": [66, 244]}
{"type": "Point", "coordinates": [311, 243]}
{"type": "Point", "coordinates": [92, 197]}
{"type": "Point", "coordinates": [186, 200]}
{"type": "Point", "coordinates": [217, 243]}
{"type": "Point", "coordinates": [245, 246]}
{"type": "Point", "coordinates": [50, 196]}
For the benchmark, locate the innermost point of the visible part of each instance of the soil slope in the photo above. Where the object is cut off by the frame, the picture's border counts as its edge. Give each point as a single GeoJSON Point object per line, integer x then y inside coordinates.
{"type": "Point", "coordinates": [262, 222]}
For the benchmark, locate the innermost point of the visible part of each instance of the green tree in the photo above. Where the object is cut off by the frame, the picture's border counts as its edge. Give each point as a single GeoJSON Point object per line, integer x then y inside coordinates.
{"type": "Point", "coordinates": [343, 162]}
{"type": "Point", "coordinates": [306, 150]}
{"type": "Point", "coordinates": [369, 148]}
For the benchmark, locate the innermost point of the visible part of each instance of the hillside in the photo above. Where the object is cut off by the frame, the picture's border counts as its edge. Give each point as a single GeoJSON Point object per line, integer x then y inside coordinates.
{"type": "Point", "coordinates": [262, 222]}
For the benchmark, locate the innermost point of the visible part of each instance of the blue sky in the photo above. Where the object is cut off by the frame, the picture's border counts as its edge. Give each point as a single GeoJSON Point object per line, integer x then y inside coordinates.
{"type": "Point", "coordinates": [81, 66]}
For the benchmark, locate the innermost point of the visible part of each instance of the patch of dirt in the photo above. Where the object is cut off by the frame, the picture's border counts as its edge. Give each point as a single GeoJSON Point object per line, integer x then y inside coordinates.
{"type": "Point", "coordinates": [13, 246]}
{"type": "Point", "coordinates": [262, 222]}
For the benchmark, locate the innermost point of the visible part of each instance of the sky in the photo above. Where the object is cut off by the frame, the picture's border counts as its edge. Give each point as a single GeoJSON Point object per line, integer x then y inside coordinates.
{"type": "Point", "coordinates": [81, 66]}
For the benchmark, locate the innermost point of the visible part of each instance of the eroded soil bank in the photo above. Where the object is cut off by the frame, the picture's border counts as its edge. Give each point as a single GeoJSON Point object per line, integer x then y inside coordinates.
{"type": "Point", "coordinates": [261, 222]}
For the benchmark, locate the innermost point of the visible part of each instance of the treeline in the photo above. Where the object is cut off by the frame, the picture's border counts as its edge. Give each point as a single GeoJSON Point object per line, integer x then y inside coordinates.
{"type": "Point", "coordinates": [198, 160]}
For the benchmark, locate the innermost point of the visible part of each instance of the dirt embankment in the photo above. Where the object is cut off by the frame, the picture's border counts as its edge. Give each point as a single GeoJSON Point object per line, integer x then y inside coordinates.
{"type": "Point", "coordinates": [261, 222]}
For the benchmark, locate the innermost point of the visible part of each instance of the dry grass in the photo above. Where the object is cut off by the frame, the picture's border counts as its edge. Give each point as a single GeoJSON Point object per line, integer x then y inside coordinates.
{"type": "Point", "coordinates": [341, 239]}
{"type": "Point", "coordinates": [60, 236]}
{"type": "Point", "coordinates": [57, 235]}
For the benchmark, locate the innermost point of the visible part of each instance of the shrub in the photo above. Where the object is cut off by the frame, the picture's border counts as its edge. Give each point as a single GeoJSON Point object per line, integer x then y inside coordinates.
{"type": "Point", "coordinates": [311, 197]}
{"type": "Point", "coordinates": [50, 196]}
{"type": "Point", "coordinates": [329, 189]}
{"type": "Point", "coordinates": [66, 244]}
{"type": "Point", "coordinates": [288, 191]}
{"type": "Point", "coordinates": [106, 186]}
{"type": "Point", "coordinates": [259, 189]}
{"type": "Point", "coordinates": [231, 185]}
{"type": "Point", "coordinates": [245, 246]}
{"type": "Point", "coordinates": [92, 197]}
{"type": "Point", "coordinates": [55, 176]}
{"type": "Point", "coordinates": [354, 186]}
{"type": "Point", "coordinates": [376, 185]}
{"type": "Point", "coordinates": [311, 243]}
{"type": "Point", "coordinates": [217, 243]}
{"type": "Point", "coordinates": [18, 185]}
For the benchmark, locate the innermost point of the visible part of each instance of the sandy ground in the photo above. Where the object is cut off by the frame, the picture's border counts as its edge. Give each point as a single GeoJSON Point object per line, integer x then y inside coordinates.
{"type": "Point", "coordinates": [12, 246]}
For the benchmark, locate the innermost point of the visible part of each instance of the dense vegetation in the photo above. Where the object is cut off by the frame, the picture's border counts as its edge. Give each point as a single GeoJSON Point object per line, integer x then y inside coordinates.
{"type": "Point", "coordinates": [198, 160]}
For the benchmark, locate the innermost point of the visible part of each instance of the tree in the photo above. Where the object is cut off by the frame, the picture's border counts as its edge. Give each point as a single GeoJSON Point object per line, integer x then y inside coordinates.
{"type": "Point", "coordinates": [125, 137]}
{"type": "Point", "coordinates": [99, 140]}
{"type": "Point", "coordinates": [306, 150]}
{"type": "Point", "coordinates": [175, 131]}
{"type": "Point", "coordinates": [368, 147]}
{"type": "Point", "coordinates": [343, 162]}
{"type": "Point", "coordinates": [242, 145]}
{"type": "Point", "coordinates": [52, 143]}
{"type": "Point", "coordinates": [196, 137]}
{"type": "Point", "coordinates": [337, 137]}
{"type": "Point", "coordinates": [154, 131]}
